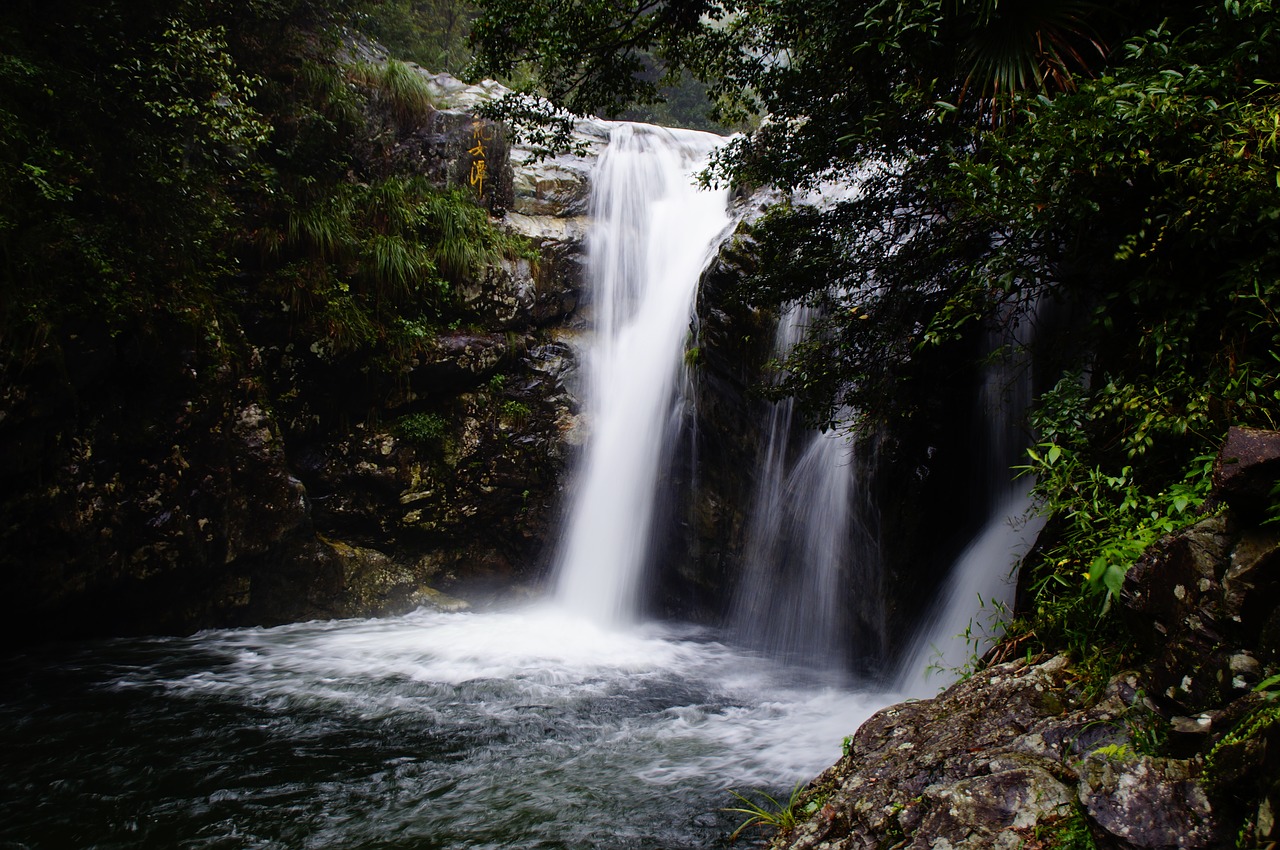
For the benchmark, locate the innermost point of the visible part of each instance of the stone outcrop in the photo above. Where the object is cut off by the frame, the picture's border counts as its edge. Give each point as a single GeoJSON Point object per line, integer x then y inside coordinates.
{"type": "Point", "coordinates": [155, 483]}
{"type": "Point", "coordinates": [1013, 753]}
{"type": "Point", "coordinates": [1183, 752]}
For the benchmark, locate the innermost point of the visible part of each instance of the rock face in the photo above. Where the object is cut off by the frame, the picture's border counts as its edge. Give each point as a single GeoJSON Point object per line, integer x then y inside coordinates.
{"type": "Point", "coordinates": [152, 482]}
{"type": "Point", "coordinates": [1011, 754]}
{"type": "Point", "coordinates": [714, 469]}
{"type": "Point", "coordinates": [1181, 753]}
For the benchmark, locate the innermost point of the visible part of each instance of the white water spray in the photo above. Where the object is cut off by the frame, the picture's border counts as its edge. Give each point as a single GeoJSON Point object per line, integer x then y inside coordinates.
{"type": "Point", "coordinates": [806, 544]}
{"type": "Point", "coordinates": [977, 597]}
{"type": "Point", "coordinates": [653, 234]}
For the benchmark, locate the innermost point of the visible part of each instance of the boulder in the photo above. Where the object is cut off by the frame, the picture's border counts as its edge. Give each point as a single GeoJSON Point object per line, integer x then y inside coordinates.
{"type": "Point", "coordinates": [1202, 602]}
{"type": "Point", "coordinates": [1148, 802]}
{"type": "Point", "coordinates": [988, 762]}
{"type": "Point", "coordinates": [1247, 471]}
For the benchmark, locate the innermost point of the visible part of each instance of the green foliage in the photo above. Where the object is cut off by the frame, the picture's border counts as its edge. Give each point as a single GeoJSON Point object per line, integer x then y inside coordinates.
{"type": "Point", "coordinates": [1261, 719]}
{"type": "Point", "coordinates": [1030, 47]}
{"type": "Point", "coordinates": [1222, 765]}
{"type": "Point", "coordinates": [1148, 731]}
{"type": "Point", "coordinates": [1116, 753]}
{"type": "Point", "coordinates": [422, 428]}
{"type": "Point", "coordinates": [1069, 833]}
{"type": "Point", "coordinates": [1108, 516]}
{"type": "Point", "coordinates": [212, 165]}
{"type": "Point", "coordinates": [403, 89]}
{"type": "Point", "coordinates": [1264, 715]}
{"type": "Point", "coordinates": [122, 209]}
{"type": "Point", "coordinates": [772, 814]}
{"type": "Point", "coordinates": [984, 629]}
{"type": "Point", "coordinates": [433, 33]}
{"type": "Point", "coordinates": [373, 263]}
{"type": "Point", "coordinates": [515, 411]}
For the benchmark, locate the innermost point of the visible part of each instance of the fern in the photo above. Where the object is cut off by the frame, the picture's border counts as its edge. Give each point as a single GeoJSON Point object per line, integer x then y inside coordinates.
{"type": "Point", "coordinates": [404, 89]}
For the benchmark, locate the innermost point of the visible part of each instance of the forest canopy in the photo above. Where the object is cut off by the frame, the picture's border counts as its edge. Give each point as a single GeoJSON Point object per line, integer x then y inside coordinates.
{"type": "Point", "coordinates": [205, 166]}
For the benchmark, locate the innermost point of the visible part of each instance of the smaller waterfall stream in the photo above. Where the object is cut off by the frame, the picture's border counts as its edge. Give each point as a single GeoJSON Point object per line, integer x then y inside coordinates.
{"type": "Point", "coordinates": [979, 591]}
{"type": "Point", "coordinates": [806, 542]}
{"type": "Point", "coordinates": [653, 235]}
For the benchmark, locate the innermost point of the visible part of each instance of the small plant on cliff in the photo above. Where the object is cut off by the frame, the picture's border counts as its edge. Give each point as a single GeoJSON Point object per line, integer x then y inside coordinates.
{"type": "Point", "coordinates": [986, 628]}
{"type": "Point", "coordinates": [1070, 833]}
{"type": "Point", "coordinates": [772, 813]}
{"type": "Point", "coordinates": [420, 427]}
{"type": "Point", "coordinates": [1258, 721]}
{"type": "Point", "coordinates": [404, 89]}
{"type": "Point", "coordinates": [515, 411]}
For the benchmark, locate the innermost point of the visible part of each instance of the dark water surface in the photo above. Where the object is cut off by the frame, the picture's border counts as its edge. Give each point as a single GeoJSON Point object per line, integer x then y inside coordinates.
{"type": "Point", "coordinates": [515, 730]}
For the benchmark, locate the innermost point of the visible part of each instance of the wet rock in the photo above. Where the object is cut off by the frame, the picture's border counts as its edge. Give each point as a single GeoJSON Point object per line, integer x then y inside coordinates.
{"type": "Point", "coordinates": [1201, 601]}
{"type": "Point", "coordinates": [528, 182]}
{"type": "Point", "coordinates": [729, 344]}
{"type": "Point", "coordinates": [985, 763]}
{"type": "Point", "coordinates": [460, 360]}
{"type": "Point", "coordinates": [559, 186]}
{"type": "Point", "coordinates": [456, 148]}
{"type": "Point", "coordinates": [1148, 802]}
{"type": "Point", "coordinates": [523, 294]}
{"type": "Point", "coordinates": [998, 810]}
{"type": "Point", "coordinates": [375, 583]}
{"type": "Point", "coordinates": [265, 502]}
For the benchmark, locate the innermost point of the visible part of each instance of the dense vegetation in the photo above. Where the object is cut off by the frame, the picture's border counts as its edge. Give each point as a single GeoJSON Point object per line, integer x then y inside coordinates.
{"type": "Point", "coordinates": [433, 33]}
{"type": "Point", "coordinates": [1110, 176]}
{"type": "Point", "coordinates": [194, 165]}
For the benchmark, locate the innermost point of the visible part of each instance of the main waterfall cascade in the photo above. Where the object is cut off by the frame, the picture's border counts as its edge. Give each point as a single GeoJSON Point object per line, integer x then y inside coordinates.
{"type": "Point", "coordinates": [810, 589]}
{"type": "Point", "coordinates": [654, 233]}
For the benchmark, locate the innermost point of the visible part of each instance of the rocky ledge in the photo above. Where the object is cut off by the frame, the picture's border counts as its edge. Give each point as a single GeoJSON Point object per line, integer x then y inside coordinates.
{"type": "Point", "coordinates": [151, 483]}
{"type": "Point", "coordinates": [1183, 752]}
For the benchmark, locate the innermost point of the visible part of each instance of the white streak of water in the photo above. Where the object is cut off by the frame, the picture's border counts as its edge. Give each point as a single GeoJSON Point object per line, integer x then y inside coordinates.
{"type": "Point", "coordinates": [977, 598]}
{"type": "Point", "coordinates": [806, 543]}
{"type": "Point", "coordinates": [653, 234]}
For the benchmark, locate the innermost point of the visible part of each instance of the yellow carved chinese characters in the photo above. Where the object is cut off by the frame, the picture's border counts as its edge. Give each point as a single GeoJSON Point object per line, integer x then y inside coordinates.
{"type": "Point", "coordinates": [479, 161]}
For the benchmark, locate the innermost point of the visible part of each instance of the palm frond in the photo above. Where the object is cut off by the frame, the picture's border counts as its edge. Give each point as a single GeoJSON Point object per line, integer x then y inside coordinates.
{"type": "Point", "coordinates": [1029, 45]}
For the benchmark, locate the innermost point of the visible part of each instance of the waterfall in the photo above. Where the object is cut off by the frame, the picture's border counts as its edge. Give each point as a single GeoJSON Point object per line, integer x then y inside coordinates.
{"type": "Point", "coordinates": [806, 545]}
{"type": "Point", "coordinates": [653, 233]}
{"type": "Point", "coordinates": [978, 594]}
{"type": "Point", "coordinates": [811, 588]}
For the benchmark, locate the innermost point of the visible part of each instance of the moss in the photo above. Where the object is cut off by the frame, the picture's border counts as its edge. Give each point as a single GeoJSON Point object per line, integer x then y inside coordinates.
{"type": "Point", "coordinates": [421, 428]}
{"type": "Point", "coordinates": [1070, 833]}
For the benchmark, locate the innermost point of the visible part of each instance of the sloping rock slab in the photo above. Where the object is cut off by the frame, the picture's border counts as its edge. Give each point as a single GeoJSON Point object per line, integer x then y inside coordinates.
{"type": "Point", "coordinates": [1002, 759]}
{"type": "Point", "coordinates": [1148, 802]}
{"type": "Point", "coordinates": [982, 758]}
